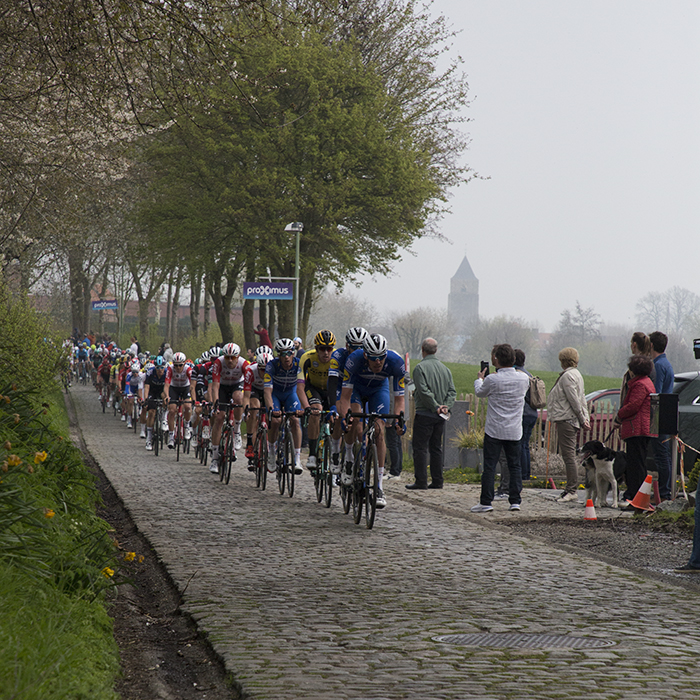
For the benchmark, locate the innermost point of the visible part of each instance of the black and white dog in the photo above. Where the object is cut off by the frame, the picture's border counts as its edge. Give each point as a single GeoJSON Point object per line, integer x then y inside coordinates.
{"type": "Point", "coordinates": [605, 468]}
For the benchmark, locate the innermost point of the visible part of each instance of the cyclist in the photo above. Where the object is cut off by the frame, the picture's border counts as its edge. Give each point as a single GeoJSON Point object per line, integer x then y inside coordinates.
{"type": "Point", "coordinates": [280, 394]}
{"type": "Point", "coordinates": [312, 386]}
{"type": "Point", "coordinates": [103, 375]}
{"type": "Point", "coordinates": [132, 386]}
{"type": "Point", "coordinates": [177, 388]}
{"type": "Point", "coordinates": [226, 385]}
{"type": "Point", "coordinates": [83, 356]}
{"type": "Point", "coordinates": [366, 380]}
{"type": "Point", "coordinates": [200, 385]}
{"type": "Point", "coordinates": [254, 394]}
{"type": "Point", "coordinates": [153, 388]}
{"type": "Point", "coordinates": [353, 340]}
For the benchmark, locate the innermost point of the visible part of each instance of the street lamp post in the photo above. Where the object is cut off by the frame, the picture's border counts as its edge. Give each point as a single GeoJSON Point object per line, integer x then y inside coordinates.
{"type": "Point", "coordinates": [297, 227]}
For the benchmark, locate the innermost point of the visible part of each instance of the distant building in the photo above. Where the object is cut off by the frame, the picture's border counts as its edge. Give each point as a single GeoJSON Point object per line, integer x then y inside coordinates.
{"type": "Point", "coordinates": [463, 300]}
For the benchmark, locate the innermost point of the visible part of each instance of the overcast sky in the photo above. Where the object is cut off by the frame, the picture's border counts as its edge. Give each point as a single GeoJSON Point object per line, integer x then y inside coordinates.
{"type": "Point", "coordinates": [585, 118]}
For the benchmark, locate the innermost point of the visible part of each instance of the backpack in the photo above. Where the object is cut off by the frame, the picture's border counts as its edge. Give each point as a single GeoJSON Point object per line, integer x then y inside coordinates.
{"type": "Point", "coordinates": [537, 393]}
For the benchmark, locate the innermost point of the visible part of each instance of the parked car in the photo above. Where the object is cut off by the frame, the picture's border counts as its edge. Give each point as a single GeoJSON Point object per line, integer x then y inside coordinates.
{"type": "Point", "coordinates": [687, 386]}
{"type": "Point", "coordinates": [602, 406]}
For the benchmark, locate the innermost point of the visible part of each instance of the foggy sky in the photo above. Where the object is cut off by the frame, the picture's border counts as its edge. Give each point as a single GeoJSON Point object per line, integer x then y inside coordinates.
{"type": "Point", "coordinates": [585, 119]}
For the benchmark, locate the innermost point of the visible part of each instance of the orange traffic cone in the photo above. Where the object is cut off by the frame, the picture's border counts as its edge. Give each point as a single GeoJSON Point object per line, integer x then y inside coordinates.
{"type": "Point", "coordinates": [589, 513]}
{"type": "Point", "coordinates": [642, 501]}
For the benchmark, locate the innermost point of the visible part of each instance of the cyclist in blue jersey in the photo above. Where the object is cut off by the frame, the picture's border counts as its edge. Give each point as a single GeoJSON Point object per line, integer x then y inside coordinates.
{"type": "Point", "coordinates": [280, 391]}
{"type": "Point", "coordinates": [353, 341]}
{"type": "Point", "coordinates": [366, 381]}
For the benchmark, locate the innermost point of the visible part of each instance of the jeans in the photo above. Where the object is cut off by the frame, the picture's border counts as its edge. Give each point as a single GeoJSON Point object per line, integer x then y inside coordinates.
{"type": "Point", "coordinates": [394, 450]}
{"type": "Point", "coordinates": [662, 459]}
{"type": "Point", "coordinates": [427, 438]}
{"type": "Point", "coordinates": [492, 451]}
{"type": "Point", "coordinates": [528, 425]}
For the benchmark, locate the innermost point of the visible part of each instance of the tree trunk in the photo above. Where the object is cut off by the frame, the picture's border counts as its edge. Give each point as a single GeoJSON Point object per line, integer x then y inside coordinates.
{"type": "Point", "coordinates": [262, 313]}
{"type": "Point", "coordinates": [285, 315]}
{"type": "Point", "coordinates": [195, 296]}
{"type": "Point", "coordinates": [175, 309]}
{"type": "Point", "coordinates": [272, 322]}
{"type": "Point", "coordinates": [144, 304]}
{"type": "Point", "coordinates": [307, 302]}
{"type": "Point", "coordinates": [168, 327]}
{"type": "Point", "coordinates": [248, 318]}
{"type": "Point", "coordinates": [79, 292]}
{"type": "Point", "coordinates": [222, 307]}
{"type": "Point", "coordinates": [207, 306]}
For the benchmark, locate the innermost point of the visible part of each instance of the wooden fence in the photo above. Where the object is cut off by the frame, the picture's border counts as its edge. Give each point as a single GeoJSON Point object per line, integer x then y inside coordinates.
{"type": "Point", "coordinates": [543, 434]}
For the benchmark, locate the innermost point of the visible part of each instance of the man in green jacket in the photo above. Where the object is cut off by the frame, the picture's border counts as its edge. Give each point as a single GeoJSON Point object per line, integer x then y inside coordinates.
{"type": "Point", "coordinates": [434, 395]}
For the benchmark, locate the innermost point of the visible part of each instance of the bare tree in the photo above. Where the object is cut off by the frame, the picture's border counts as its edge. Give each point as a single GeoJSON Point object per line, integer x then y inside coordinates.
{"type": "Point", "coordinates": [501, 329]}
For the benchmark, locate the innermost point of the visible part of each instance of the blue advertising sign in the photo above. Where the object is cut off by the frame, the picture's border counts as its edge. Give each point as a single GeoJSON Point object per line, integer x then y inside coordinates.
{"type": "Point", "coordinates": [268, 290]}
{"type": "Point", "coordinates": [103, 304]}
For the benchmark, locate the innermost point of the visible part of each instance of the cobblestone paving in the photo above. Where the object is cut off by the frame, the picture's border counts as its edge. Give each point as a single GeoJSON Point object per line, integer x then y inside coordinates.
{"type": "Point", "coordinates": [301, 603]}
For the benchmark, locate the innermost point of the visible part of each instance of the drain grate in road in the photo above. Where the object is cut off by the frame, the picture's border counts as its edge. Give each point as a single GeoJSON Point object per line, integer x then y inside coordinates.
{"type": "Point", "coordinates": [513, 640]}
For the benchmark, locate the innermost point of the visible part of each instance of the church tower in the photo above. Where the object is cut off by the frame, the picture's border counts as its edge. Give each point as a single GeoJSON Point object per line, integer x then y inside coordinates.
{"type": "Point", "coordinates": [463, 300]}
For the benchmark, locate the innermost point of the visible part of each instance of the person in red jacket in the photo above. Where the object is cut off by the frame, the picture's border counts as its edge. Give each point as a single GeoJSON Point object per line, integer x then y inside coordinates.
{"type": "Point", "coordinates": [633, 421]}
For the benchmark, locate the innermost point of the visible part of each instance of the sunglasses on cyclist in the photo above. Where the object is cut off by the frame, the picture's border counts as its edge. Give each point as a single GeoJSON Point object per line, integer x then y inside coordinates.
{"type": "Point", "coordinates": [178, 364]}
{"type": "Point", "coordinates": [376, 358]}
{"type": "Point", "coordinates": [286, 353]}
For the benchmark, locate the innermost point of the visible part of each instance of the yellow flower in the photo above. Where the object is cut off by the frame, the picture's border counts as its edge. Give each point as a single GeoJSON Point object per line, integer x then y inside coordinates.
{"type": "Point", "coordinates": [469, 413]}
{"type": "Point", "coordinates": [14, 461]}
{"type": "Point", "coordinates": [130, 556]}
{"type": "Point", "coordinates": [107, 572]}
{"type": "Point", "coordinates": [48, 513]}
{"type": "Point", "coordinates": [40, 457]}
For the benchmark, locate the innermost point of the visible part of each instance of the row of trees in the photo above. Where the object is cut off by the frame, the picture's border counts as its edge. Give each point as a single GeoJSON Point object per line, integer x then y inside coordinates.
{"type": "Point", "coordinates": [167, 144]}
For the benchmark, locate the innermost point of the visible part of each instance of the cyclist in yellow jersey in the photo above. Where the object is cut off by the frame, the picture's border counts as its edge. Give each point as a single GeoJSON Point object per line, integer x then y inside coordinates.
{"type": "Point", "coordinates": [312, 386]}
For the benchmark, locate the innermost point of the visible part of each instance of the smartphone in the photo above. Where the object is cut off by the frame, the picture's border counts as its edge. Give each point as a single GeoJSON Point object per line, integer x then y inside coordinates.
{"type": "Point", "coordinates": [485, 366]}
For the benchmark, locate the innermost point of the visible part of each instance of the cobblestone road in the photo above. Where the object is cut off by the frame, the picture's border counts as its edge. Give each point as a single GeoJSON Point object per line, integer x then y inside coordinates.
{"type": "Point", "coordinates": [301, 603]}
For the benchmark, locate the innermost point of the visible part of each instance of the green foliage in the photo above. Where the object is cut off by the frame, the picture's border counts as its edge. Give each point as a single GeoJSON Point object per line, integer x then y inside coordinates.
{"type": "Point", "coordinates": [692, 478]}
{"type": "Point", "coordinates": [469, 439]}
{"type": "Point", "coordinates": [462, 475]}
{"type": "Point", "coordinates": [54, 646]}
{"type": "Point", "coordinates": [28, 353]}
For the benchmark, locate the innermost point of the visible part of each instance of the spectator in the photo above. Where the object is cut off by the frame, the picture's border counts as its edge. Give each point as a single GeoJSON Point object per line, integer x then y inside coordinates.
{"type": "Point", "coordinates": [566, 408]}
{"type": "Point", "coordinates": [394, 446]}
{"type": "Point", "coordinates": [134, 348]}
{"type": "Point", "coordinates": [264, 335]}
{"type": "Point", "coordinates": [251, 355]}
{"type": "Point", "coordinates": [434, 395]}
{"type": "Point", "coordinates": [298, 345]}
{"type": "Point", "coordinates": [529, 420]}
{"type": "Point", "coordinates": [168, 353]}
{"type": "Point", "coordinates": [639, 345]}
{"type": "Point", "coordinates": [633, 421]}
{"type": "Point", "coordinates": [503, 429]}
{"type": "Point", "coordinates": [663, 384]}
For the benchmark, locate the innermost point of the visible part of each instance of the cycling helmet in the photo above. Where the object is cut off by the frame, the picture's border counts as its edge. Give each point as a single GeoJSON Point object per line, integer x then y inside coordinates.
{"type": "Point", "coordinates": [375, 346]}
{"type": "Point", "coordinates": [179, 358]}
{"type": "Point", "coordinates": [284, 345]}
{"type": "Point", "coordinates": [214, 352]}
{"type": "Point", "coordinates": [205, 356]}
{"type": "Point", "coordinates": [159, 362]}
{"type": "Point", "coordinates": [356, 336]}
{"type": "Point", "coordinates": [198, 361]}
{"type": "Point", "coordinates": [263, 355]}
{"type": "Point", "coordinates": [135, 366]}
{"type": "Point", "coordinates": [231, 350]}
{"type": "Point", "coordinates": [324, 339]}
{"type": "Point", "coordinates": [112, 355]}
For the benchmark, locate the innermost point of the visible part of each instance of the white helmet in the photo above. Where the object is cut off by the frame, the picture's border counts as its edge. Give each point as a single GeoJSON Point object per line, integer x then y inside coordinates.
{"type": "Point", "coordinates": [284, 345]}
{"type": "Point", "coordinates": [135, 366]}
{"type": "Point", "coordinates": [263, 355]}
{"type": "Point", "coordinates": [375, 346]}
{"type": "Point", "coordinates": [214, 352]}
{"type": "Point", "coordinates": [179, 358]}
{"type": "Point", "coordinates": [231, 350]}
{"type": "Point", "coordinates": [356, 336]}
{"type": "Point", "coordinates": [204, 357]}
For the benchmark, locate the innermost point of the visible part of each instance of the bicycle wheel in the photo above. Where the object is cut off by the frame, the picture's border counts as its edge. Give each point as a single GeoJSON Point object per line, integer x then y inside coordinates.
{"type": "Point", "coordinates": [326, 471]}
{"type": "Point", "coordinates": [290, 460]}
{"type": "Point", "coordinates": [262, 460]}
{"type": "Point", "coordinates": [230, 457]}
{"type": "Point", "coordinates": [281, 466]}
{"type": "Point", "coordinates": [225, 434]}
{"type": "Point", "coordinates": [371, 485]}
{"type": "Point", "coordinates": [358, 490]}
{"type": "Point", "coordinates": [319, 479]}
{"type": "Point", "coordinates": [178, 436]}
